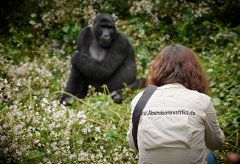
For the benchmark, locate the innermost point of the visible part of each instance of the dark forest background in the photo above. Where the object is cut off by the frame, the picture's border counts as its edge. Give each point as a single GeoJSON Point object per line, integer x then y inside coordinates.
{"type": "Point", "coordinates": [36, 41]}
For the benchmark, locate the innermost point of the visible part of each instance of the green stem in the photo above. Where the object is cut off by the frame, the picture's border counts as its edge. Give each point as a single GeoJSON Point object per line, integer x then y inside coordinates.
{"type": "Point", "coordinates": [56, 92]}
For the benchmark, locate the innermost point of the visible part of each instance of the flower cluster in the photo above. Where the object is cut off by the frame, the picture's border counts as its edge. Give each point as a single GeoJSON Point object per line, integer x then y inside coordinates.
{"type": "Point", "coordinates": [174, 10]}
{"type": "Point", "coordinates": [34, 126]}
{"type": "Point", "coordinates": [57, 14]}
{"type": "Point", "coordinates": [35, 63]}
{"type": "Point", "coordinates": [7, 90]}
{"type": "Point", "coordinates": [46, 126]}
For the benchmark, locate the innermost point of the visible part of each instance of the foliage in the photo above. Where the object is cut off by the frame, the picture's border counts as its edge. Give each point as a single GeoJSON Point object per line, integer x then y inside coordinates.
{"type": "Point", "coordinates": [35, 63]}
{"type": "Point", "coordinates": [43, 130]}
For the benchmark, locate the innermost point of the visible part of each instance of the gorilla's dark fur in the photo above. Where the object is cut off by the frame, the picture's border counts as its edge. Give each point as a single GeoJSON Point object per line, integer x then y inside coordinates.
{"type": "Point", "coordinates": [103, 56]}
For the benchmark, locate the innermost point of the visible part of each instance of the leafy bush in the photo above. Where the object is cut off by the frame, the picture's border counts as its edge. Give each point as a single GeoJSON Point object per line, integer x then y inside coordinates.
{"type": "Point", "coordinates": [55, 133]}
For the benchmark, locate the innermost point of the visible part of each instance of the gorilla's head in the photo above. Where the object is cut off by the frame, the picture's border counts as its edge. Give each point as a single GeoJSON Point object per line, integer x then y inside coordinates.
{"type": "Point", "coordinates": [104, 30]}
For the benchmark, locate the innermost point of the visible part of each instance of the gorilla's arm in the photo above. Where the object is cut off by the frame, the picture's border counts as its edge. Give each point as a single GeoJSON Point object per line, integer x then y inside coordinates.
{"type": "Point", "coordinates": [96, 70]}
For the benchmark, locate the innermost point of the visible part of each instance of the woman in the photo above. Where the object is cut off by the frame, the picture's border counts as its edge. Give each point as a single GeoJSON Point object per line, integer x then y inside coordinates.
{"type": "Point", "coordinates": [178, 124]}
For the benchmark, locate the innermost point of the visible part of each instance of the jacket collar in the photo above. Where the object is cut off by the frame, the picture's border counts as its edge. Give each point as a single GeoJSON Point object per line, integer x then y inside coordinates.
{"type": "Point", "coordinates": [173, 85]}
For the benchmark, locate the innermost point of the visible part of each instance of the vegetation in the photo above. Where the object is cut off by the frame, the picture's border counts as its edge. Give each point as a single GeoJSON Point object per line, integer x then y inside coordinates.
{"type": "Point", "coordinates": [36, 41]}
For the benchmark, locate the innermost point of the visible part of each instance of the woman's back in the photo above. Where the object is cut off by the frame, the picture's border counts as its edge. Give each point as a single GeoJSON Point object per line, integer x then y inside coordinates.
{"type": "Point", "coordinates": [178, 123]}
{"type": "Point", "coordinates": [172, 126]}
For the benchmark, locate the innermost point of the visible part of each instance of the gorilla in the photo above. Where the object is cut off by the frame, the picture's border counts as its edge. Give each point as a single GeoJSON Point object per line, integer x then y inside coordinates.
{"type": "Point", "coordinates": [103, 56]}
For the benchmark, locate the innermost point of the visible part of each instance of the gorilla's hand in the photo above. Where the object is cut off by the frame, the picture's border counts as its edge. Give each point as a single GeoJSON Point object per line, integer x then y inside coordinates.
{"type": "Point", "coordinates": [80, 60]}
{"type": "Point", "coordinates": [117, 97]}
{"type": "Point", "coordinates": [75, 58]}
{"type": "Point", "coordinates": [94, 69]}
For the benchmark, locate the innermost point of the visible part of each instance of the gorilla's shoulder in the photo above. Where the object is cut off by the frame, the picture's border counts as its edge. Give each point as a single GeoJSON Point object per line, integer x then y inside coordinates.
{"type": "Point", "coordinates": [85, 31]}
{"type": "Point", "coordinates": [84, 36]}
{"type": "Point", "coordinates": [122, 39]}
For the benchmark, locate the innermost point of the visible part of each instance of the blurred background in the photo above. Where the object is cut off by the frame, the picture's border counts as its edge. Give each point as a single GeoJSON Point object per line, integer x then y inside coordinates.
{"type": "Point", "coordinates": [37, 39]}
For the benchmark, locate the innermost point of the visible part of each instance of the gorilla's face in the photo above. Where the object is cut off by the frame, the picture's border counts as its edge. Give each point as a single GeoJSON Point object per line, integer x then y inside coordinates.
{"type": "Point", "coordinates": [104, 30]}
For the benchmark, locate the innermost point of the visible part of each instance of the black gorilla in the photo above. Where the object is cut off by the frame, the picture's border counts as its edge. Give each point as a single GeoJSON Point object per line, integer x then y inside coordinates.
{"type": "Point", "coordinates": [103, 56]}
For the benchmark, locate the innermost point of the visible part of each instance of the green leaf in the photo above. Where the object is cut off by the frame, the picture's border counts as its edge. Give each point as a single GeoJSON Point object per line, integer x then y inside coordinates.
{"type": "Point", "coordinates": [216, 101]}
{"type": "Point", "coordinates": [235, 121]}
{"type": "Point", "coordinates": [66, 28]}
{"type": "Point", "coordinates": [33, 157]}
{"type": "Point", "coordinates": [112, 134]}
{"type": "Point", "coordinates": [2, 106]}
{"type": "Point", "coordinates": [133, 20]}
{"type": "Point", "coordinates": [65, 38]}
{"type": "Point", "coordinates": [235, 91]}
{"type": "Point", "coordinates": [33, 15]}
{"type": "Point", "coordinates": [32, 22]}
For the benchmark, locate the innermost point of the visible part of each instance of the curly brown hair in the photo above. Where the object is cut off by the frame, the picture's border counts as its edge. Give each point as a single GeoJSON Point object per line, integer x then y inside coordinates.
{"type": "Point", "coordinates": [178, 64]}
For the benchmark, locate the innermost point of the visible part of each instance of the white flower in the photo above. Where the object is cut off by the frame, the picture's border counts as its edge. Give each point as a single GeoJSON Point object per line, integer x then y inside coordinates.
{"type": "Point", "coordinates": [37, 134]}
{"type": "Point", "coordinates": [52, 125]}
{"type": "Point", "coordinates": [5, 81]}
{"type": "Point", "coordinates": [82, 122]}
{"type": "Point", "coordinates": [48, 110]}
{"type": "Point", "coordinates": [18, 128]}
{"type": "Point", "coordinates": [86, 130]}
{"type": "Point", "coordinates": [55, 103]}
{"type": "Point", "coordinates": [36, 141]}
{"type": "Point", "coordinates": [97, 129]}
{"type": "Point", "coordinates": [79, 114]}
{"type": "Point", "coordinates": [98, 103]}
{"type": "Point", "coordinates": [44, 100]}
{"type": "Point", "coordinates": [18, 84]}
{"type": "Point", "coordinates": [81, 155]}
{"type": "Point", "coordinates": [72, 156]}
{"type": "Point", "coordinates": [70, 122]}
{"type": "Point", "coordinates": [54, 145]}
{"type": "Point", "coordinates": [18, 152]}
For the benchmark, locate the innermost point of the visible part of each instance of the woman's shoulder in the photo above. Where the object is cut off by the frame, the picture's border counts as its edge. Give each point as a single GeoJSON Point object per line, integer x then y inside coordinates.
{"type": "Point", "coordinates": [200, 98]}
{"type": "Point", "coordinates": [199, 94]}
{"type": "Point", "coordinates": [135, 99]}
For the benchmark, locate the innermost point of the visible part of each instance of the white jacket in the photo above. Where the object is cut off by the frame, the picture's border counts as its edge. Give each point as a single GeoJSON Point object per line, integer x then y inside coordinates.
{"type": "Point", "coordinates": [177, 125]}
